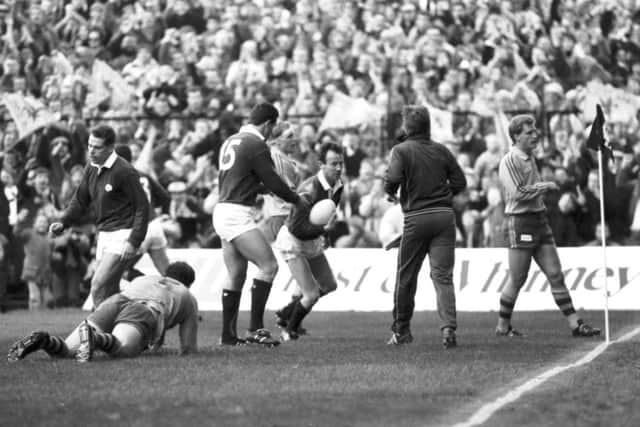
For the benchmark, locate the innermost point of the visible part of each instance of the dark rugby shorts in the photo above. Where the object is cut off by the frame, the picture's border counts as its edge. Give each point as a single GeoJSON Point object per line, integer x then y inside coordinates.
{"type": "Point", "coordinates": [120, 309]}
{"type": "Point", "coordinates": [529, 231]}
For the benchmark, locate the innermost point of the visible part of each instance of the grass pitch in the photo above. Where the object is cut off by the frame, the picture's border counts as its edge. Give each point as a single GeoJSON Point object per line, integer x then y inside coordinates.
{"type": "Point", "coordinates": [342, 374]}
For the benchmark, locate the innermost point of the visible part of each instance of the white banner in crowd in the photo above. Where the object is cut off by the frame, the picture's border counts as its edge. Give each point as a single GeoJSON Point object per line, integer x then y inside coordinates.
{"type": "Point", "coordinates": [366, 280]}
{"type": "Point", "coordinates": [346, 111]}
{"type": "Point", "coordinates": [28, 113]}
{"type": "Point", "coordinates": [441, 124]}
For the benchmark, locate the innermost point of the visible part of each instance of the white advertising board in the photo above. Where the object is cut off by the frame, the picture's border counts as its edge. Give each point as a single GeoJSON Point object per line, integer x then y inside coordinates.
{"type": "Point", "coordinates": [366, 279]}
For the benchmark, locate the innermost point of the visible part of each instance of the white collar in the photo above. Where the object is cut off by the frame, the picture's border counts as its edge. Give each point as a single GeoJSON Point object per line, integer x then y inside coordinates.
{"type": "Point", "coordinates": [108, 163]}
{"type": "Point", "coordinates": [325, 184]}
{"type": "Point", "coordinates": [252, 130]}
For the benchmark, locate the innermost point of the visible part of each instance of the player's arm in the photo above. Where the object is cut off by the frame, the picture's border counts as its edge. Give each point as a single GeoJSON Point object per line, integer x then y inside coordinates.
{"type": "Point", "coordinates": [189, 333]}
{"type": "Point", "coordinates": [134, 192]}
{"type": "Point", "coordinates": [80, 201]}
{"type": "Point", "coordinates": [394, 174]}
{"type": "Point", "coordinates": [264, 168]}
{"type": "Point", "coordinates": [513, 181]}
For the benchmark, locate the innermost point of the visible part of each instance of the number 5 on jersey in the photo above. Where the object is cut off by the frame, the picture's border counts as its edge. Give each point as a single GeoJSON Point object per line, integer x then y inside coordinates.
{"type": "Point", "coordinates": [228, 153]}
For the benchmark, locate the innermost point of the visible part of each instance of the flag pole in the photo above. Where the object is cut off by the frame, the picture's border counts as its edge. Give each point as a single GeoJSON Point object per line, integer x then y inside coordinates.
{"type": "Point", "coordinates": [604, 245]}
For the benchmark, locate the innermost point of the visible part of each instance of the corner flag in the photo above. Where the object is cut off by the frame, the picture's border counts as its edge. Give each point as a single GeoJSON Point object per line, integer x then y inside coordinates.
{"type": "Point", "coordinates": [597, 141]}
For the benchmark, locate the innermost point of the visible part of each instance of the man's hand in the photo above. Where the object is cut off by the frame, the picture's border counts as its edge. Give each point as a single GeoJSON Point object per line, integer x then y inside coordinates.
{"type": "Point", "coordinates": [56, 228]}
{"type": "Point", "coordinates": [128, 252]}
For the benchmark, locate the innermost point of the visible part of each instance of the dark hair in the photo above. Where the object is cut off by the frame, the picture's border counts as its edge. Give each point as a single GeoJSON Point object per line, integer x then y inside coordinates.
{"type": "Point", "coordinates": [182, 272]}
{"type": "Point", "coordinates": [123, 151]}
{"type": "Point", "coordinates": [263, 113]}
{"type": "Point", "coordinates": [104, 132]}
{"type": "Point", "coordinates": [517, 123]}
{"type": "Point", "coordinates": [329, 146]}
{"type": "Point", "coordinates": [416, 119]}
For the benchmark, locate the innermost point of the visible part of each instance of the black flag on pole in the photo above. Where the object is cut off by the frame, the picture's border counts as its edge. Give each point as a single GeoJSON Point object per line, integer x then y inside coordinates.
{"type": "Point", "coordinates": [597, 139]}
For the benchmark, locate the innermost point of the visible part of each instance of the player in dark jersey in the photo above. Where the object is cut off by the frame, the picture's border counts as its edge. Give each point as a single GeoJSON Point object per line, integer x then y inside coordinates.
{"type": "Point", "coordinates": [302, 243]}
{"type": "Point", "coordinates": [246, 169]}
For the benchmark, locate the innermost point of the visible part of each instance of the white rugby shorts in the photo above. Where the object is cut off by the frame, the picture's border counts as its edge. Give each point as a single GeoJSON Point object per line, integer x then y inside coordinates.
{"type": "Point", "coordinates": [111, 242]}
{"type": "Point", "coordinates": [291, 247]}
{"type": "Point", "coordinates": [155, 238]}
{"type": "Point", "coordinates": [230, 220]}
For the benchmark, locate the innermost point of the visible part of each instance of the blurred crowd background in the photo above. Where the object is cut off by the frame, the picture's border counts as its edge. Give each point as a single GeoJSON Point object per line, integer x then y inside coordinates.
{"type": "Point", "coordinates": [176, 77]}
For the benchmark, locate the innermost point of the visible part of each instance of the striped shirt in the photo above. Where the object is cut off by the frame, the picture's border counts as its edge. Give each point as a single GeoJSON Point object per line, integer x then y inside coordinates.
{"type": "Point", "coordinates": [518, 174]}
{"type": "Point", "coordinates": [287, 168]}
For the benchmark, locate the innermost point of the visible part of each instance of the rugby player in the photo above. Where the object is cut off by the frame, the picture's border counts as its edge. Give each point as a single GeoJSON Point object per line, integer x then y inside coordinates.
{"type": "Point", "coordinates": [246, 168]}
{"type": "Point", "coordinates": [129, 322]}
{"type": "Point", "coordinates": [302, 243]}
{"type": "Point", "coordinates": [530, 235]}
{"type": "Point", "coordinates": [112, 186]}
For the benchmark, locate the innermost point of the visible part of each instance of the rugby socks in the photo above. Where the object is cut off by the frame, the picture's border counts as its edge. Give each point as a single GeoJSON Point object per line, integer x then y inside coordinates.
{"type": "Point", "coordinates": [298, 314]}
{"type": "Point", "coordinates": [506, 310]}
{"type": "Point", "coordinates": [230, 307]}
{"type": "Point", "coordinates": [55, 346]}
{"type": "Point", "coordinates": [285, 312]}
{"type": "Point", "coordinates": [565, 304]}
{"type": "Point", "coordinates": [259, 295]}
{"type": "Point", "coordinates": [105, 341]}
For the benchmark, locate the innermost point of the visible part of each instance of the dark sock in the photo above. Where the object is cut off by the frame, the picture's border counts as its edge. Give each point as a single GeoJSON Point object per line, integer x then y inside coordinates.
{"type": "Point", "coordinates": [285, 312]}
{"type": "Point", "coordinates": [55, 346]}
{"type": "Point", "coordinates": [299, 313]}
{"type": "Point", "coordinates": [105, 342]}
{"type": "Point", "coordinates": [259, 295]}
{"type": "Point", "coordinates": [230, 307]}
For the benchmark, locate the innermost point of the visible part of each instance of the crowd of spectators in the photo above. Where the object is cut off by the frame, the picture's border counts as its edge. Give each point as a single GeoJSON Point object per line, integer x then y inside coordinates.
{"type": "Point", "coordinates": [176, 77]}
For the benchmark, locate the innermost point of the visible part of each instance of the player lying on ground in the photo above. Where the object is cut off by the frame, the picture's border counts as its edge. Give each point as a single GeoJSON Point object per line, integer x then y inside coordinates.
{"type": "Point", "coordinates": [302, 244]}
{"type": "Point", "coordinates": [129, 322]}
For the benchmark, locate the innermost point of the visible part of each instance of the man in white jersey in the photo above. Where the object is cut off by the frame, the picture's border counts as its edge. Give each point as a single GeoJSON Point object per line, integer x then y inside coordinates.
{"type": "Point", "coordinates": [275, 210]}
{"type": "Point", "coordinates": [129, 322]}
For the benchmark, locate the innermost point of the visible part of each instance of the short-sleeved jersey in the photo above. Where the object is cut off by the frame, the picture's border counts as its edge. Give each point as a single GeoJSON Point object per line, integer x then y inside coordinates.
{"type": "Point", "coordinates": [238, 181]}
{"type": "Point", "coordinates": [170, 299]}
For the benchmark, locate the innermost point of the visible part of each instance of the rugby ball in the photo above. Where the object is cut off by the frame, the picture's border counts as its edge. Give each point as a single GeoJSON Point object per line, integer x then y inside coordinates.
{"type": "Point", "coordinates": [322, 212]}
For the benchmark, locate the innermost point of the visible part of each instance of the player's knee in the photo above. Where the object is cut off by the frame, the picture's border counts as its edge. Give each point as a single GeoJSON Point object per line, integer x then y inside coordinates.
{"type": "Point", "coordinates": [269, 270]}
{"type": "Point", "coordinates": [127, 350]}
{"type": "Point", "coordinates": [556, 279]}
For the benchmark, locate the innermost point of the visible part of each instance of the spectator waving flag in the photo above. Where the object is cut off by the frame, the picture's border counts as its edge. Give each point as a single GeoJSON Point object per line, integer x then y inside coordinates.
{"type": "Point", "coordinates": [29, 114]}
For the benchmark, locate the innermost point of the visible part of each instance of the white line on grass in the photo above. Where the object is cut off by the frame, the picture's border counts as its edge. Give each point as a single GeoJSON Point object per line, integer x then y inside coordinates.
{"type": "Point", "coordinates": [487, 411]}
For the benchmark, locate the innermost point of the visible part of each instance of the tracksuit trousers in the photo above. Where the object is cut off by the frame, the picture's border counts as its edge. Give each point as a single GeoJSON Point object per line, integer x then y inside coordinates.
{"type": "Point", "coordinates": [430, 231]}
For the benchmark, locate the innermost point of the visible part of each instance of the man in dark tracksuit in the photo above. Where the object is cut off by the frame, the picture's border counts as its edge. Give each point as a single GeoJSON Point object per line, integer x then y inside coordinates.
{"type": "Point", "coordinates": [428, 176]}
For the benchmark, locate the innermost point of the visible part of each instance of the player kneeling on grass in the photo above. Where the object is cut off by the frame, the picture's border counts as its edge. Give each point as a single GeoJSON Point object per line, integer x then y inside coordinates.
{"type": "Point", "coordinates": [301, 243]}
{"type": "Point", "coordinates": [129, 322]}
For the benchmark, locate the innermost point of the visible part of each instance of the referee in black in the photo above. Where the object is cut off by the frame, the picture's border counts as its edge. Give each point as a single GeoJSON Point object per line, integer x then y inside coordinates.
{"type": "Point", "coordinates": [428, 177]}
